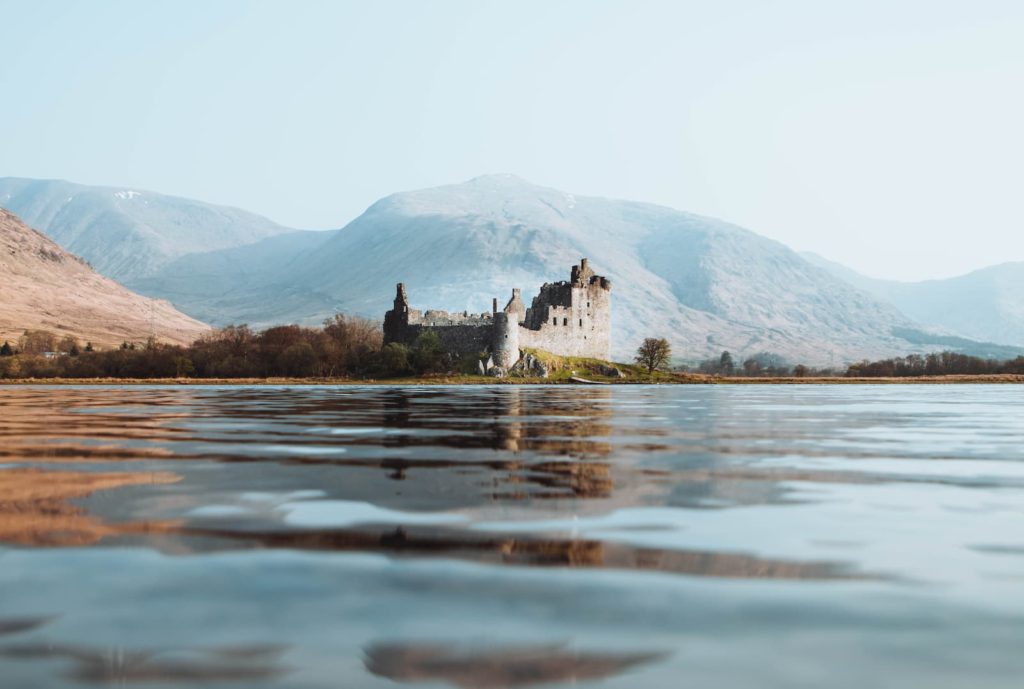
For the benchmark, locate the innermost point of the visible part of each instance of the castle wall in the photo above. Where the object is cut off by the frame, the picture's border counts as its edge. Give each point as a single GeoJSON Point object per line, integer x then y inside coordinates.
{"type": "Point", "coordinates": [579, 326]}
{"type": "Point", "coordinates": [565, 318]}
{"type": "Point", "coordinates": [457, 339]}
{"type": "Point", "coordinates": [460, 333]}
{"type": "Point", "coordinates": [505, 339]}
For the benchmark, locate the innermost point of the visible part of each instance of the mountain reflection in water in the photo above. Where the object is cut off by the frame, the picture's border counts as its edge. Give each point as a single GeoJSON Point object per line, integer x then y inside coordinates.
{"type": "Point", "coordinates": [511, 536]}
{"type": "Point", "coordinates": [36, 508]}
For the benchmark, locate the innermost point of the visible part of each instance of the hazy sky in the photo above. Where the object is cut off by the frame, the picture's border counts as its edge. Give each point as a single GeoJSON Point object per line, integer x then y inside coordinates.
{"type": "Point", "coordinates": [885, 135]}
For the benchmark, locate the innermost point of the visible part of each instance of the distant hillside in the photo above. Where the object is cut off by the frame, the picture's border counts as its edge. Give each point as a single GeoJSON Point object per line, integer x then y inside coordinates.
{"type": "Point", "coordinates": [43, 287]}
{"type": "Point", "coordinates": [987, 304]}
{"type": "Point", "coordinates": [256, 284]}
{"type": "Point", "coordinates": [125, 233]}
{"type": "Point", "coordinates": [705, 284]}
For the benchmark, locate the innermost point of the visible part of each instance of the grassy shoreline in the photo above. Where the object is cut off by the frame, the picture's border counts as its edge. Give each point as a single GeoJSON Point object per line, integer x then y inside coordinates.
{"type": "Point", "coordinates": [658, 379]}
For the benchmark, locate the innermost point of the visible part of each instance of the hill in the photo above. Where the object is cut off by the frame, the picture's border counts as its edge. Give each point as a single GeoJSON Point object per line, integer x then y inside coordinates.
{"type": "Point", "coordinates": [258, 284]}
{"type": "Point", "coordinates": [705, 284]}
{"type": "Point", "coordinates": [986, 304]}
{"type": "Point", "coordinates": [43, 287]}
{"type": "Point", "coordinates": [126, 233]}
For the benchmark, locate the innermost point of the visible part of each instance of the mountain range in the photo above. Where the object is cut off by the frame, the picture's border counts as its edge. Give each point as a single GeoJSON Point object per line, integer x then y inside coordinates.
{"type": "Point", "coordinates": [705, 284]}
{"type": "Point", "coordinates": [985, 304]}
{"type": "Point", "coordinates": [128, 233]}
{"type": "Point", "coordinates": [43, 287]}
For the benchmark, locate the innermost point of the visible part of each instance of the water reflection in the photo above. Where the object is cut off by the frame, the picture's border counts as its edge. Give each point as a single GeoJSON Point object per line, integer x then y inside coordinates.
{"type": "Point", "coordinates": [521, 551]}
{"type": "Point", "coordinates": [185, 665]}
{"type": "Point", "coordinates": [478, 453]}
{"type": "Point", "coordinates": [276, 535]}
{"type": "Point", "coordinates": [36, 508]}
{"type": "Point", "coordinates": [19, 625]}
{"type": "Point", "coordinates": [501, 668]}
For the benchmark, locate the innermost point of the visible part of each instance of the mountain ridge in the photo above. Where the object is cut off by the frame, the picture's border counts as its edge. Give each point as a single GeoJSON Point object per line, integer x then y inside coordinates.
{"type": "Point", "coordinates": [128, 233]}
{"type": "Point", "coordinates": [707, 284]}
{"type": "Point", "coordinates": [984, 304]}
{"type": "Point", "coordinates": [675, 273]}
{"type": "Point", "coordinates": [47, 288]}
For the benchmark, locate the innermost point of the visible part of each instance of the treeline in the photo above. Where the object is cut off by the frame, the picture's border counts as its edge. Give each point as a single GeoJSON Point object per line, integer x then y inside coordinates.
{"type": "Point", "coordinates": [946, 363]}
{"type": "Point", "coordinates": [343, 347]}
{"type": "Point", "coordinates": [351, 347]}
{"type": "Point", "coordinates": [937, 364]}
{"type": "Point", "coordinates": [761, 365]}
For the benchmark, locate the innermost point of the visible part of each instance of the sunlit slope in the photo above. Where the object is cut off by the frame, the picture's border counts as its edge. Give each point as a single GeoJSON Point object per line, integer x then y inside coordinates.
{"type": "Point", "coordinates": [46, 288]}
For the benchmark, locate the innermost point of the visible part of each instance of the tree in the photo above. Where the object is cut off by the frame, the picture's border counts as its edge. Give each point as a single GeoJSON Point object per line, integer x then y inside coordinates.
{"type": "Point", "coordinates": [351, 342]}
{"type": "Point", "coordinates": [68, 344]}
{"type": "Point", "coordinates": [394, 359]}
{"type": "Point", "coordinates": [6, 349]}
{"type": "Point", "coordinates": [725, 364]}
{"type": "Point", "coordinates": [765, 364]}
{"type": "Point", "coordinates": [298, 360]}
{"type": "Point", "coordinates": [800, 371]}
{"type": "Point", "coordinates": [183, 367]}
{"type": "Point", "coordinates": [428, 352]}
{"type": "Point", "coordinates": [653, 354]}
{"type": "Point", "coordinates": [88, 347]}
{"type": "Point", "coordinates": [37, 342]}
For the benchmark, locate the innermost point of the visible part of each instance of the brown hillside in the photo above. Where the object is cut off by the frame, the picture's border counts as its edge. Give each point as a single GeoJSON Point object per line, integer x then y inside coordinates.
{"type": "Point", "coordinates": [43, 287]}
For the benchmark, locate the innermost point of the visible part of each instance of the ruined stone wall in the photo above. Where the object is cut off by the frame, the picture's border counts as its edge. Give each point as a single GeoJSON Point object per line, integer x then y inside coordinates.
{"type": "Point", "coordinates": [435, 318]}
{"type": "Point", "coordinates": [460, 333]}
{"type": "Point", "coordinates": [565, 318]}
{"type": "Point", "coordinates": [580, 328]}
{"type": "Point", "coordinates": [456, 339]}
{"type": "Point", "coordinates": [552, 295]}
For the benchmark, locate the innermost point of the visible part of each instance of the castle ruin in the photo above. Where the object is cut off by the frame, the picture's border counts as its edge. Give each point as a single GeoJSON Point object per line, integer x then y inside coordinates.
{"type": "Point", "coordinates": [566, 318]}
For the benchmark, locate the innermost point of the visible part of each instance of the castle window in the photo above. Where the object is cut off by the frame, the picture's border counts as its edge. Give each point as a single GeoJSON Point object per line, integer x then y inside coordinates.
{"type": "Point", "coordinates": [581, 322]}
{"type": "Point", "coordinates": [554, 321]}
{"type": "Point", "coordinates": [565, 321]}
{"type": "Point", "coordinates": [588, 304]}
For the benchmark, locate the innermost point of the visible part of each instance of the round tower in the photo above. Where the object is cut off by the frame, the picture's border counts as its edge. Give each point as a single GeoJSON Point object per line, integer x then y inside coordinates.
{"type": "Point", "coordinates": [505, 340]}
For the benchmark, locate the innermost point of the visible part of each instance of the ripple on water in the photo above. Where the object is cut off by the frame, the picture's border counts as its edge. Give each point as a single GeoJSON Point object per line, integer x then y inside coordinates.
{"type": "Point", "coordinates": [505, 536]}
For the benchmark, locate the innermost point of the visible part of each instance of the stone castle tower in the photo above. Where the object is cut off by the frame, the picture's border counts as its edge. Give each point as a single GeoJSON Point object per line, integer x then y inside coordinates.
{"type": "Point", "coordinates": [567, 318]}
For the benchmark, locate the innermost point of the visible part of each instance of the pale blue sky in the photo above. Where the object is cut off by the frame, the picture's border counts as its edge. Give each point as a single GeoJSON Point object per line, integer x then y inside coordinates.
{"type": "Point", "coordinates": [885, 135]}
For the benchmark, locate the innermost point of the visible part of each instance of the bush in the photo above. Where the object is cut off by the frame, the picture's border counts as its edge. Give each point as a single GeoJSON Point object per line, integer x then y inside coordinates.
{"type": "Point", "coordinates": [428, 353]}
{"type": "Point", "coordinates": [298, 360]}
{"type": "Point", "coordinates": [394, 360]}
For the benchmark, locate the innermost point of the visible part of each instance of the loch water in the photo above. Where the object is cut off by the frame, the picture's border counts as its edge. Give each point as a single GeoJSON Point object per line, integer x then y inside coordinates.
{"type": "Point", "coordinates": [512, 536]}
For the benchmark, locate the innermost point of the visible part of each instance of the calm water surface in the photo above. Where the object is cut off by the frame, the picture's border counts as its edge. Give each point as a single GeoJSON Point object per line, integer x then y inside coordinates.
{"type": "Point", "coordinates": [729, 536]}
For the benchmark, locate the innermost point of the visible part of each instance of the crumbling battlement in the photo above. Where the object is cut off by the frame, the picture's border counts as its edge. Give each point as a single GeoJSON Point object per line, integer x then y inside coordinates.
{"type": "Point", "coordinates": [567, 318]}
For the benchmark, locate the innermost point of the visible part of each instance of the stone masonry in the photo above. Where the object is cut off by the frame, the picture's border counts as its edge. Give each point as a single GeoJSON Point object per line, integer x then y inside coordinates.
{"type": "Point", "coordinates": [567, 318]}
